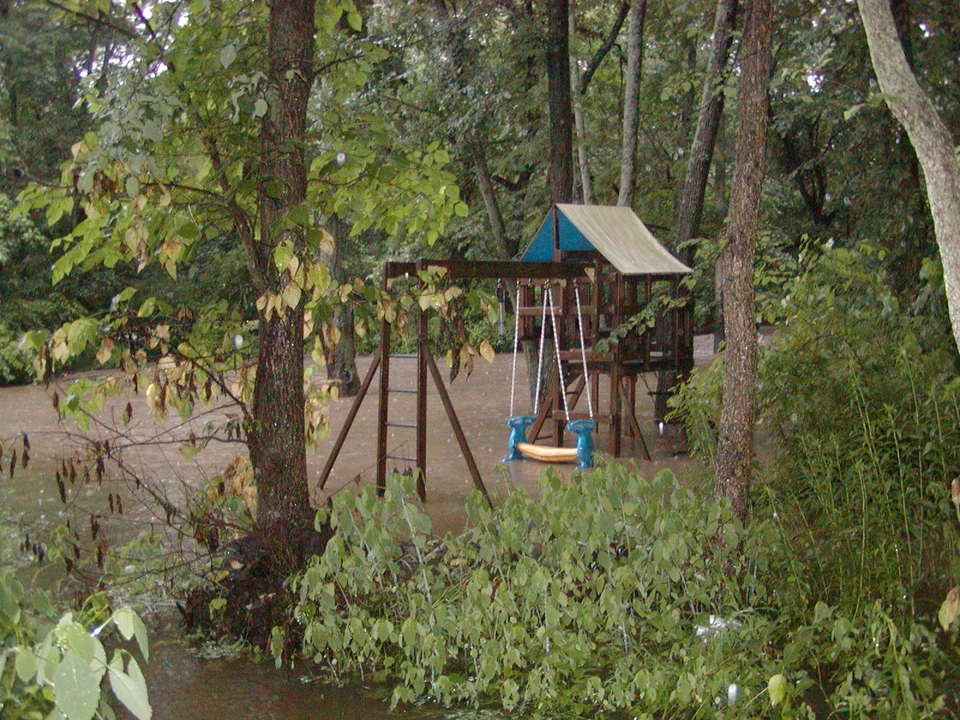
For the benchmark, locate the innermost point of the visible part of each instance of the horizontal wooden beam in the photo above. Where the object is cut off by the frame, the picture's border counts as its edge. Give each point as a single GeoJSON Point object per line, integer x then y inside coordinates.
{"type": "Point", "coordinates": [506, 269]}
{"type": "Point", "coordinates": [493, 269]}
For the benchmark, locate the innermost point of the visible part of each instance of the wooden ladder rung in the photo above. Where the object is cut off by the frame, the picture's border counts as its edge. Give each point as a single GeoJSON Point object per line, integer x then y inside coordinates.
{"type": "Point", "coordinates": [402, 425]}
{"type": "Point", "coordinates": [401, 457]}
{"type": "Point", "coordinates": [402, 390]}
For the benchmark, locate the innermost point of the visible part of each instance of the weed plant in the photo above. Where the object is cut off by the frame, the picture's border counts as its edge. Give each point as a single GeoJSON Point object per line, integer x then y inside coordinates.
{"type": "Point", "coordinates": [861, 398]}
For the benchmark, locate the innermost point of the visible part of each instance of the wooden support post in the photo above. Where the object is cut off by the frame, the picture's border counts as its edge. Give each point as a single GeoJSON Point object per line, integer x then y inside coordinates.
{"type": "Point", "coordinates": [545, 412]}
{"type": "Point", "coordinates": [632, 419]}
{"type": "Point", "coordinates": [382, 412]}
{"type": "Point", "coordinates": [348, 422]}
{"type": "Point", "coordinates": [421, 404]}
{"type": "Point", "coordinates": [455, 424]}
{"type": "Point", "coordinates": [616, 368]}
{"type": "Point", "coordinates": [675, 325]}
{"type": "Point", "coordinates": [648, 296]}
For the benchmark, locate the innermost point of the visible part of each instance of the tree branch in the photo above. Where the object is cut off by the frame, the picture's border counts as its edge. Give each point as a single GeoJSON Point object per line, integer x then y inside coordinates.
{"type": "Point", "coordinates": [602, 51]}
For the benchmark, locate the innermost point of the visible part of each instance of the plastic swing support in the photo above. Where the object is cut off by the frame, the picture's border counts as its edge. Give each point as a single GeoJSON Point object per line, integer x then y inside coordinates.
{"type": "Point", "coordinates": [518, 447]}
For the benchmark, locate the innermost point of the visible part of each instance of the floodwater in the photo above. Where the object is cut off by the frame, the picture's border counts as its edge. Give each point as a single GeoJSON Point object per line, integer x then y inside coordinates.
{"type": "Point", "coordinates": [186, 685]}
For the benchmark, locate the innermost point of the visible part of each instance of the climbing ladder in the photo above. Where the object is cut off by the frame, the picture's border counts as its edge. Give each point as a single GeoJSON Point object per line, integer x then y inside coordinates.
{"type": "Point", "coordinates": [384, 423]}
{"type": "Point", "coordinates": [425, 364]}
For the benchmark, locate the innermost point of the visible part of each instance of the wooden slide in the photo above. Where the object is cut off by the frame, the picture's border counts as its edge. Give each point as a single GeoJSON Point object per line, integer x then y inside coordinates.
{"type": "Point", "coordinates": [543, 453]}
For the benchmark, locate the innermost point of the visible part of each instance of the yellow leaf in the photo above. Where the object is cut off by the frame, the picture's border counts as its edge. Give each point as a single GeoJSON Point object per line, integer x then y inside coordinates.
{"type": "Point", "coordinates": [105, 351]}
{"type": "Point", "coordinates": [326, 241]}
{"type": "Point", "coordinates": [291, 295]}
{"type": "Point", "coordinates": [486, 351]}
{"type": "Point", "coordinates": [950, 609]}
{"type": "Point", "coordinates": [153, 397]}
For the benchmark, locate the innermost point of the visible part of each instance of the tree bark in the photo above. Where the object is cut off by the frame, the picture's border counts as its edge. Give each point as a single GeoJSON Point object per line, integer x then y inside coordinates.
{"type": "Point", "coordinates": [735, 445]}
{"type": "Point", "coordinates": [276, 438]}
{"type": "Point", "coordinates": [583, 165]}
{"type": "Point", "coordinates": [631, 102]}
{"type": "Point", "coordinates": [690, 204]}
{"type": "Point", "coordinates": [929, 136]}
{"type": "Point", "coordinates": [341, 357]}
{"type": "Point", "coordinates": [506, 248]}
{"type": "Point", "coordinates": [560, 178]}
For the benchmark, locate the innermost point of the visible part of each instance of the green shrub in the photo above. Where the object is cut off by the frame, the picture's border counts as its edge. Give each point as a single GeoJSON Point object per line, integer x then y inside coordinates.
{"type": "Point", "coordinates": [16, 366]}
{"type": "Point", "coordinates": [54, 665]}
{"type": "Point", "coordinates": [861, 399]}
{"type": "Point", "coordinates": [607, 595]}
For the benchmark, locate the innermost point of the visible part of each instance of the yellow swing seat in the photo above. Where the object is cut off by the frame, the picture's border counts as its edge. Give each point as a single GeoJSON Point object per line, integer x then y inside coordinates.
{"type": "Point", "coordinates": [543, 453]}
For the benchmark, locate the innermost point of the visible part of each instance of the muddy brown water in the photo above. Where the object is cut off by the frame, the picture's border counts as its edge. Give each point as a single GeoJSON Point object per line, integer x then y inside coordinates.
{"type": "Point", "coordinates": [185, 685]}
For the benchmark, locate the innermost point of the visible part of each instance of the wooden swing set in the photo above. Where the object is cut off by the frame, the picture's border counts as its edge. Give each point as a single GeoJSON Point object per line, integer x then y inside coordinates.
{"type": "Point", "coordinates": [591, 268]}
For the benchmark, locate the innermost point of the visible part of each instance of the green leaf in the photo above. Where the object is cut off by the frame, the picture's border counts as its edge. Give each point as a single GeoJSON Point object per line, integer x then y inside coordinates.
{"type": "Point", "coordinates": [291, 295]}
{"type": "Point", "coordinates": [25, 664]}
{"type": "Point", "coordinates": [777, 688]}
{"type": "Point", "coordinates": [228, 53]}
{"type": "Point", "coordinates": [76, 688]}
{"type": "Point", "coordinates": [147, 307]}
{"type": "Point", "coordinates": [260, 108]}
{"type": "Point", "coordinates": [140, 633]}
{"type": "Point", "coordinates": [130, 687]}
{"type": "Point", "coordinates": [123, 619]}
{"type": "Point", "coordinates": [355, 20]}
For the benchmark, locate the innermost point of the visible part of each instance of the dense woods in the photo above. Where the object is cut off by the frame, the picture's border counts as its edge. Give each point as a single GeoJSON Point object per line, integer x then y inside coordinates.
{"type": "Point", "coordinates": [215, 185]}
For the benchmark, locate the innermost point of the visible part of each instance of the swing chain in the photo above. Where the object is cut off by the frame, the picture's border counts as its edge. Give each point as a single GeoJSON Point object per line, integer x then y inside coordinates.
{"type": "Point", "coordinates": [516, 339]}
{"type": "Point", "coordinates": [556, 345]}
{"type": "Point", "coordinates": [543, 333]}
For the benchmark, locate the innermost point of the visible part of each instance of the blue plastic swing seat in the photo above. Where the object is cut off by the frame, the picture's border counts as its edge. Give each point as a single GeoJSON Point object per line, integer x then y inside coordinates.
{"type": "Point", "coordinates": [518, 447]}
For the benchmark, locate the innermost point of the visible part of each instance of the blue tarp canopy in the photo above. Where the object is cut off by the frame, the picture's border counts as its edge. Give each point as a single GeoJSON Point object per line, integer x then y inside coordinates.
{"type": "Point", "coordinates": [615, 232]}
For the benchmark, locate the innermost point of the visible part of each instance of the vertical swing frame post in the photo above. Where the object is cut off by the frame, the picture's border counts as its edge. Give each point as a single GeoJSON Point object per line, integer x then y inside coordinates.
{"type": "Point", "coordinates": [384, 398]}
{"type": "Point", "coordinates": [421, 401]}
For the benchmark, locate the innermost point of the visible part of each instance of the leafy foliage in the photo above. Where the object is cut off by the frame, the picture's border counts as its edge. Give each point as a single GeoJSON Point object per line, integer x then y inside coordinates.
{"type": "Point", "coordinates": [603, 596]}
{"type": "Point", "coordinates": [861, 397]}
{"type": "Point", "coordinates": [55, 665]}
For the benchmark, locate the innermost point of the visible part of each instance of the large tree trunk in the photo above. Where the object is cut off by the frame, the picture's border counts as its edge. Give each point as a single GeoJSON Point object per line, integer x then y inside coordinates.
{"type": "Point", "coordinates": [631, 102]}
{"type": "Point", "coordinates": [560, 178]}
{"type": "Point", "coordinates": [690, 204]}
{"type": "Point", "coordinates": [930, 139]}
{"type": "Point", "coordinates": [276, 439]}
{"type": "Point", "coordinates": [735, 445]}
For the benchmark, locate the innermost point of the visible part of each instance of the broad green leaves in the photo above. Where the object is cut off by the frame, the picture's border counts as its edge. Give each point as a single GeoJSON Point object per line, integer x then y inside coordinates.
{"type": "Point", "coordinates": [130, 687]}
{"type": "Point", "coordinates": [58, 672]}
{"type": "Point", "coordinates": [76, 686]}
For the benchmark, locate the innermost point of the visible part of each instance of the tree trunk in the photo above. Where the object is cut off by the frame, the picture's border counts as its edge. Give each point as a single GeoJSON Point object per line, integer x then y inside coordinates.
{"type": "Point", "coordinates": [276, 438]}
{"type": "Point", "coordinates": [631, 102]}
{"type": "Point", "coordinates": [560, 178]}
{"type": "Point", "coordinates": [341, 357]}
{"type": "Point", "coordinates": [583, 165]}
{"type": "Point", "coordinates": [930, 139]}
{"type": "Point", "coordinates": [690, 204]}
{"type": "Point", "coordinates": [735, 445]}
{"type": "Point", "coordinates": [505, 247]}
